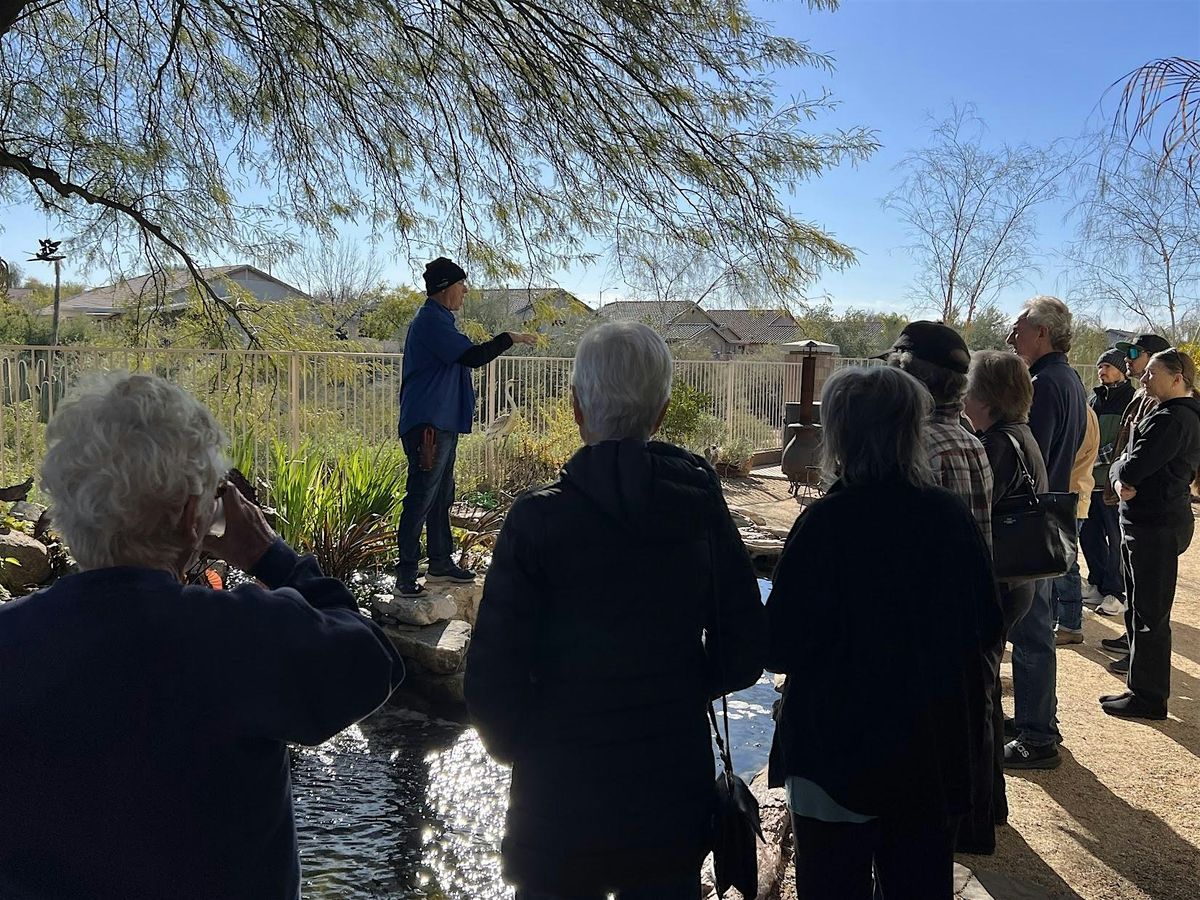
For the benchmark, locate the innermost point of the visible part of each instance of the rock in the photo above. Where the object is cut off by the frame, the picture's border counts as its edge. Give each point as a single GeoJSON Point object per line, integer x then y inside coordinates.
{"type": "Point", "coordinates": [466, 599]}
{"type": "Point", "coordinates": [745, 518]}
{"type": "Point", "coordinates": [439, 688]}
{"type": "Point", "coordinates": [32, 557]}
{"type": "Point", "coordinates": [27, 512]}
{"type": "Point", "coordinates": [5, 596]}
{"type": "Point", "coordinates": [441, 649]}
{"type": "Point", "coordinates": [420, 611]}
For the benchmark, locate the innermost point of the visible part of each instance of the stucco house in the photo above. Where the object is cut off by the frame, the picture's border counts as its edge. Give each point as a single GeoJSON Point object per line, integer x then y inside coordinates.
{"type": "Point", "coordinates": [724, 332]}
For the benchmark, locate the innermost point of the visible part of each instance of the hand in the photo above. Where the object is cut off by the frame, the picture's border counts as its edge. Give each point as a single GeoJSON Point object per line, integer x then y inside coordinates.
{"type": "Point", "coordinates": [247, 535]}
{"type": "Point", "coordinates": [521, 337]}
{"type": "Point", "coordinates": [1125, 492]}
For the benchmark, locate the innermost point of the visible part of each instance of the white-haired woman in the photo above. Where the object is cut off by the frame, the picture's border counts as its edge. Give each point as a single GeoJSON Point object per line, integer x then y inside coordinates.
{"type": "Point", "coordinates": [619, 601]}
{"type": "Point", "coordinates": [882, 608]}
{"type": "Point", "coordinates": [145, 723]}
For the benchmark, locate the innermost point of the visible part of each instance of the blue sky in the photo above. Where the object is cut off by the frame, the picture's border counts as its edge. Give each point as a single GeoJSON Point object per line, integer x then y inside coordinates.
{"type": "Point", "coordinates": [1036, 70]}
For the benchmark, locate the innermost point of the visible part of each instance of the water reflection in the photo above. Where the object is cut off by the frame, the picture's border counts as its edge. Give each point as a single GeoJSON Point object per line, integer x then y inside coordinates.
{"type": "Point", "coordinates": [405, 808]}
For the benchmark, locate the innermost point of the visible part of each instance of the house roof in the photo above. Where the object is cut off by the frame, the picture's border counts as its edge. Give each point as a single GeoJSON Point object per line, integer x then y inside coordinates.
{"type": "Point", "coordinates": [652, 312]}
{"type": "Point", "coordinates": [757, 326]}
{"type": "Point", "coordinates": [110, 299]}
{"type": "Point", "coordinates": [516, 300]}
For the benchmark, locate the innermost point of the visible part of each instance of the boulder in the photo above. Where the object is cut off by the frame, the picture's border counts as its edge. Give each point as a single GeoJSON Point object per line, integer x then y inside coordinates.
{"type": "Point", "coordinates": [419, 611]}
{"type": "Point", "coordinates": [465, 597]}
{"type": "Point", "coordinates": [439, 689]}
{"type": "Point", "coordinates": [27, 512]}
{"type": "Point", "coordinates": [441, 649]}
{"type": "Point", "coordinates": [746, 518]}
{"type": "Point", "coordinates": [33, 560]}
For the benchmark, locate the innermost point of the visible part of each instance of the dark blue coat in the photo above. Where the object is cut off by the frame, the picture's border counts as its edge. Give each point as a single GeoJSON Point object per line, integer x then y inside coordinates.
{"type": "Point", "coordinates": [1058, 418]}
{"type": "Point", "coordinates": [144, 724]}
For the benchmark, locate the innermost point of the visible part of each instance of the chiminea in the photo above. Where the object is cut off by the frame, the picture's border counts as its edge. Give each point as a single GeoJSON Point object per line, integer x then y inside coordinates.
{"type": "Point", "coordinates": [802, 447]}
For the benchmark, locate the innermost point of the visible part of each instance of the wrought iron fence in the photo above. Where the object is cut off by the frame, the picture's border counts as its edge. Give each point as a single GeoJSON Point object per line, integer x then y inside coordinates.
{"type": "Point", "coordinates": [339, 400]}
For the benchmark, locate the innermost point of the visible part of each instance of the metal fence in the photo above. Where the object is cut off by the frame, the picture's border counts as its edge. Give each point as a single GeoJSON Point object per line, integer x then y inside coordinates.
{"type": "Point", "coordinates": [340, 400]}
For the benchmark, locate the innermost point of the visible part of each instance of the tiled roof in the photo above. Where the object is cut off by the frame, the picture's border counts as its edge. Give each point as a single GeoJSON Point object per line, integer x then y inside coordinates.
{"type": "Point", "coordinates": [684, 331]}
{"type": "Point", "coordinates": [516, 300]}
{"type": "Point", "coordinates": [652, 312]}
{"type": "Point", "coordinates": [150, 288]}
{"type": "Point", "coordinates": [758, 326]}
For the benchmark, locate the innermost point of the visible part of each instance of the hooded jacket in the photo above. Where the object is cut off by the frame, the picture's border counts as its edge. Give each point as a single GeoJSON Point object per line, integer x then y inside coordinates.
{"type": "Point", "coordinates": [1161, 462]}
{"type": "Point", "coordinates": [1109, 402]}
{"type": "Point", "coordinates": [620, 599]}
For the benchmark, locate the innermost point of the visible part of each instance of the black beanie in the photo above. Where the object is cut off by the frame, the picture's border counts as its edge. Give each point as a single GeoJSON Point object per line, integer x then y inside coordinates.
{"type": "Point", "coordinates": [440, 274]}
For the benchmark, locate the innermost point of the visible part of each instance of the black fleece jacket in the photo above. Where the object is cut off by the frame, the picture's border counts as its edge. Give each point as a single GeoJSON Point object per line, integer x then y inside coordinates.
{"type": "Point", "coordinates": [1161, 462]}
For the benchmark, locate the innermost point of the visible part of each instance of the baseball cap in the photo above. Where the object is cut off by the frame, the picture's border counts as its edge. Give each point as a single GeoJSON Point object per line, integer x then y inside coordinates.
{"type": "Point", "coordinates": [1151, 343]}
{"type": "Point", "coordinates": [935, 343]}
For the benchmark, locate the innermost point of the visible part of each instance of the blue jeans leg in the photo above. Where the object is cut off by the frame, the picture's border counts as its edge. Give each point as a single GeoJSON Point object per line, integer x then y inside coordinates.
{"type": "Point", "coordinates": [1100, 541]}
{"type": "Point", "coordinates": [1035, 670]}
{"type": "Point", "coordinates": [1068, 595]}
{"type": "Point", "coordinates": [424, 498]}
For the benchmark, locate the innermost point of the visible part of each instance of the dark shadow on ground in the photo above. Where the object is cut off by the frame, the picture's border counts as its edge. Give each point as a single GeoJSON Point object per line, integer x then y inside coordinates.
{"type": "Point", "coordinates": [1184, 705]}
{"type": "Point", "coordinates": [1133, 842]}
{"type": "Point", "coordinates": [1185, 640]}
{"type": "Point", "coordinates": [1013, 854]}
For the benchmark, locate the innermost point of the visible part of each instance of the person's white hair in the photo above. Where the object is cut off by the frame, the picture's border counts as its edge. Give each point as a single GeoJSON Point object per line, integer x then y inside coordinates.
{"type": "Point", "coordinates": [1052, 314]}
{"type": "Point", "coordinates": [622, 380]}
{"type": "Point", "coordinates": [124, 454]}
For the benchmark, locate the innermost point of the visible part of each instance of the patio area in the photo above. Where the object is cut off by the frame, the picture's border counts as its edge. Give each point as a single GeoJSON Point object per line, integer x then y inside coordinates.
{"type": "Point", "coordinates": [1120, 818]}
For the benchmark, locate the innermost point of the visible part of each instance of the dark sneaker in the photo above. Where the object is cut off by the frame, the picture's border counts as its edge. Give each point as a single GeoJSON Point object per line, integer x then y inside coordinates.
{"type": "Point", "coordinates": [1116, 645]}
{"type": "Point", "coordinates": [1109, 698]}
{"type": "Point", "coordinates": [1019, 755]}
{"type": "Point", "coordinates": [453, 574]}
{"type": "Point", "coordinates": [1119, 666]}
{"type": "Point", "coordinates": [1134, 707]}
{"type": "Point", "coordinates": [409, 590]}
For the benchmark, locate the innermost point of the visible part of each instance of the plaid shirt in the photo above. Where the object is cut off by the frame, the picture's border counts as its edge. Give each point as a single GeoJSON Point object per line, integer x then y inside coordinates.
{"type": "Point", "coordinates": [960, 464]}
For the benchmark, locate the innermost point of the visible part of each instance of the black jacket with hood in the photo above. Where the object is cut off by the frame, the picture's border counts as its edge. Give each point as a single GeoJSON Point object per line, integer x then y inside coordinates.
{"type": "Point", "coordinates": [1161, 462]}
{"type": "Point", "coordinates": [620, 599]}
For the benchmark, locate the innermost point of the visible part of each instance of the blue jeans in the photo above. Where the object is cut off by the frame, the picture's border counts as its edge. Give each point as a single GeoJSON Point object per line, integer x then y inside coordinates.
{"type": "Point", "coordinates": [1068, 594]}
{"type": "Point", "coordinates": [688, 889]}
{"type": "Point", "coordinates": [1035, 670]}
{"type": "Point", "coordinates": [427, 501]}
{"type": "Point", "coordinates": [1100, 541]}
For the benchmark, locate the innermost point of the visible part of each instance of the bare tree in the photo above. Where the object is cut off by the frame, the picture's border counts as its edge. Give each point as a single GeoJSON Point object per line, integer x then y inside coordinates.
{"type": "Point", "coordinates": [970, 210]}
{"type": "Point", "coordinates": [343, 277]}
{"type": "Point", "coordinates": [1137, 251]}
{"type": "Point", "coordinates": [507, 131]}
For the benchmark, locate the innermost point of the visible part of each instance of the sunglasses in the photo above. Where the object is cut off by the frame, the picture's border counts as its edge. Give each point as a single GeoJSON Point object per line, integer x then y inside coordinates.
{"type": "Point", "coordinates": [1134, 352]}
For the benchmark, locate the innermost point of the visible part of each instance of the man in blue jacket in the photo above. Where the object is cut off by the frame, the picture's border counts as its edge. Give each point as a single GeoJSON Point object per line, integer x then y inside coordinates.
{"type": "Point", "coordinates": [1041, 336]}
{"type": "Point", "coordinates": [437, 404]}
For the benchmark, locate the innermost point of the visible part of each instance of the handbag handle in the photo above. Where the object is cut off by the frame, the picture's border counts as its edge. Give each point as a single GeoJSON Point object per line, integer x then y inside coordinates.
{"type": "Point", "coordinates": [1032, 485]}
{"type": "Point", "coordinates": [722, 746]}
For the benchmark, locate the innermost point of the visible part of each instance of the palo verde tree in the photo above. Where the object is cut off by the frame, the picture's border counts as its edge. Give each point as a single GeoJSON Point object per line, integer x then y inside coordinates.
{"type": "Point", "coordinates": [970, 209]}
{"type": "Point", "coordinates": [509, 131]}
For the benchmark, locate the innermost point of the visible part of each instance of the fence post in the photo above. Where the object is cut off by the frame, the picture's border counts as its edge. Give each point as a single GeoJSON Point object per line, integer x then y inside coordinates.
{"type": "Point", "coordinates": [729, 364]}
{"type": "Point", "coordinates": [294, 397]}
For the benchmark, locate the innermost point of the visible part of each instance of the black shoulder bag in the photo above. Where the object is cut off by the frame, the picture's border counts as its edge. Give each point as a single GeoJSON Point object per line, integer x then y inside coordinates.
{"type": "Point", "coordinates": [736, 821]}
{"type": "Point", "coordinates": [1033, 535]}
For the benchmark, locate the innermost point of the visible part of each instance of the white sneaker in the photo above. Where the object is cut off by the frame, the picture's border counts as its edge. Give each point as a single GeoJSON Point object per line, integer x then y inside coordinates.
{"type": "Point", "coordinates": [1091, 592]}
{"type": "Point", "coordinates": [1111, 606]}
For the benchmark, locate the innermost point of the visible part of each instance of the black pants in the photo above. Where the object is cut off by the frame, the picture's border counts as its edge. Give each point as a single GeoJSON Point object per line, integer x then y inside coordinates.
{"type": "Point", "coordinates": [427, 501]}
{"type": "Point", "coordinates": [912, 860]}
{"type": "Point", "coordinates": [1151, 563]}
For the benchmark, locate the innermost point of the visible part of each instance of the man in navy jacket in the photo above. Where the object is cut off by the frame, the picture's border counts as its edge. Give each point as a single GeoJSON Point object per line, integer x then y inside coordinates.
{"type": "Point", "coordinates": [1041, 336]}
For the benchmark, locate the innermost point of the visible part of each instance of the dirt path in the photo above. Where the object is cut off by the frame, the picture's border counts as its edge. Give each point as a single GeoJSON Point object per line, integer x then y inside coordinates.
{"type": "Point", "coordinates": [1120, 818]}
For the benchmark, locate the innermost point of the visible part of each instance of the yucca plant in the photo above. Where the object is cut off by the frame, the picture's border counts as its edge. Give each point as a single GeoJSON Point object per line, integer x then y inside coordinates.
{"type": "Point", "coordinates": [341, 507]}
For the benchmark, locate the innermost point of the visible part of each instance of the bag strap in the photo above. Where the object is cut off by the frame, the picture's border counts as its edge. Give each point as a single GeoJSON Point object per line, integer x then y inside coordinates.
{"type": "Point", "coordinates": [1021, 461]}
{"type": "Point", "coordinates": [722, 746]}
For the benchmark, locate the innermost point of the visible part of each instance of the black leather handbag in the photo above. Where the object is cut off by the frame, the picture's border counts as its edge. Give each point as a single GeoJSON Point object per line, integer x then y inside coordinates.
{"type": "Point", "coordinates": [737, 824]}
{"type": "Point", "coordinates": [1034, 535]}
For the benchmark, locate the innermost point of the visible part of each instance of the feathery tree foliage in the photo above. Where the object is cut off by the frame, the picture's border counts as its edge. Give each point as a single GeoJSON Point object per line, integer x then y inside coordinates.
{"type": "Point", "coordinates": [512, 131]}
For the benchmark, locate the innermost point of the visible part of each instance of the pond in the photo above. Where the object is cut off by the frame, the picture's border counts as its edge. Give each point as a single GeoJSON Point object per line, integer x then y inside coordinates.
{"type": "Point", "coordinates": [403, 807]}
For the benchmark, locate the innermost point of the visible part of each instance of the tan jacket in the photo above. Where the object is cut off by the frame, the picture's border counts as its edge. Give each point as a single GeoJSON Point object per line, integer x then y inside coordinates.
{"type": "Point", "coordinates": [1083, 482]}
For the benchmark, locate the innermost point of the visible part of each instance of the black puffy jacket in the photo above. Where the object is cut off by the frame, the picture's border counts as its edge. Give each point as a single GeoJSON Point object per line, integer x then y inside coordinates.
{"type": "Point", "coordinates": [593, 659]}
